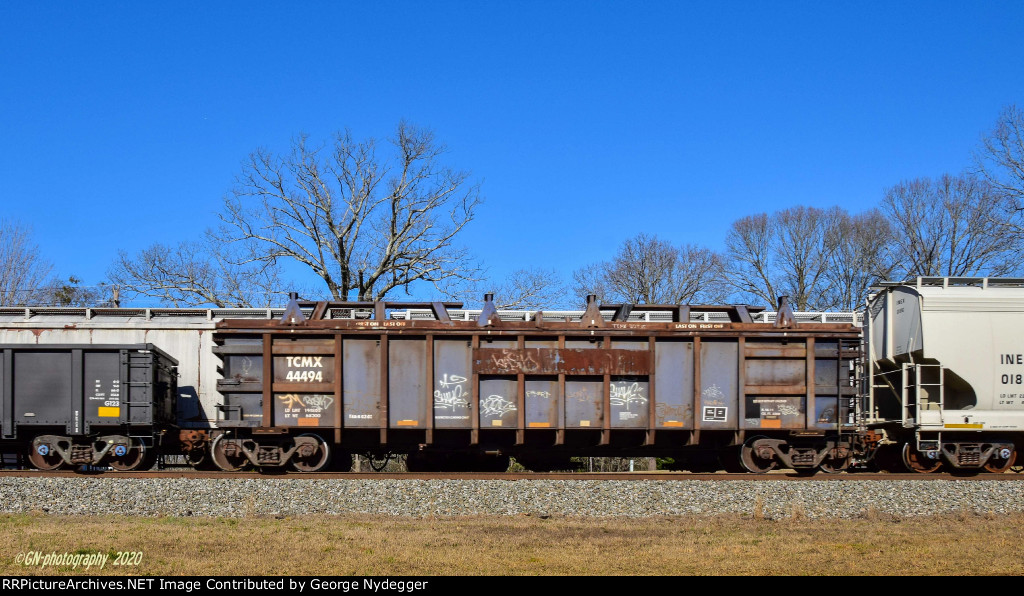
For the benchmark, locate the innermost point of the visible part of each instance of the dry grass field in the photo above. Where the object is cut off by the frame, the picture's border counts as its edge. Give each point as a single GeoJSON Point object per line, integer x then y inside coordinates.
{"type": "Point", "coordinates": [465, 546]}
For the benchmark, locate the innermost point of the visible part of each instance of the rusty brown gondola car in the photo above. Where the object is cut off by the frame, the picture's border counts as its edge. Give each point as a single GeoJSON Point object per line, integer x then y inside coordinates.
{"type": "Point", "coordinates": [307, 387]}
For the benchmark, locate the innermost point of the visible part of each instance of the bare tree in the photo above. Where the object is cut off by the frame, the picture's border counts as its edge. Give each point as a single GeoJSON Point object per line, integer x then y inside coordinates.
{"type": "Point", "coordinates": [945, 228]}
{"type": "Point", "coordinates": [1000, 160]}
{"type": "Point", "coordinates": [646, 270]}
{"type": "Point", "coordinates": [530, 289]}
{"type": "Point", "coordinates": [804, 252]}
{"type": "Point", "coordinates": [750, 250]}
{"type": "Point", "coordinates": [196, 273]}
{"type": "Point", "coordinates": [791, 252]}
{"type": "Point", "coordinates": [22, 271]}
{"type": "Point", "coordinates": [360, 223]}
{"type": "Point", "coordinates": [861, 257]}
{"type": "Point", "coordinates": [71, 292]}
{"type": "Point", "coordinates": [592, 280]}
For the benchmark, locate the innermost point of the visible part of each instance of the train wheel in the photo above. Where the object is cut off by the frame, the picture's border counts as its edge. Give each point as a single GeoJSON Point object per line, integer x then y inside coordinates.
{"type": "Point", "coordinates": [1002, 464]}
{"type": "Point", "coordinates": [43, 456]}
{"type": "Point", "coordinates": [312, 459]}
{"type": "Point", "coordinates": [833, 466]}
{"type": "Point", "coordinates": [222, 459]}
{"type": "Point", "coordinates": [753, 462]}
{"type": "Point", "coordinates": [126, 458]}
{"type": "Point", "coordinates": [197, 458]}
{"type": "Point", "coordinates": [915, 461]}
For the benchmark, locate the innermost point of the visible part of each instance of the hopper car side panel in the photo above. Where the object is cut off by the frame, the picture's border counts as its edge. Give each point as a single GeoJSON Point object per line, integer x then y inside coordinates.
{"type": "Point", "coordinates": [945, 372]}
{"type": "Point", "coordinates": [87, 404]}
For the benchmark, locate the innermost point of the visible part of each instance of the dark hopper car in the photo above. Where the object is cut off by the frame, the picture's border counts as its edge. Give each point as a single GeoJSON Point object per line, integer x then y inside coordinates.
{"type": "Point", "coordinates": [87, 405]}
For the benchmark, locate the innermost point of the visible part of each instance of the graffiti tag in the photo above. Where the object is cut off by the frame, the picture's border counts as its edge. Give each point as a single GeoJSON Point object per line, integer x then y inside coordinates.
{"type": "Point", "coordinates": [496, 405]}
{"type": "Point", "coordinates": [627, 394]}
{"type": "Point", "coordinates": [450, 396]}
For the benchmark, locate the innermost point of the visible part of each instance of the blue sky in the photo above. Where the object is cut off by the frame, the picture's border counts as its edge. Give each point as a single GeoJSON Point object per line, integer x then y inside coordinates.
{"type": "Point", "coordinates": [124, 123]}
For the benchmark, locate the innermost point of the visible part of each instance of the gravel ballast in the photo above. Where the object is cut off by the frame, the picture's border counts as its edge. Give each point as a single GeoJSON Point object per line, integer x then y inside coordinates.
{"type": "Point", "coordinates": [576, 498]}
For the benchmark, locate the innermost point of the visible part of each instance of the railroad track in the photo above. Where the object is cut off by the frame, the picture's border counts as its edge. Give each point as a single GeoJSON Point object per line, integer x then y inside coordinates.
{"type": "Point", "coordinates": [655, 476]}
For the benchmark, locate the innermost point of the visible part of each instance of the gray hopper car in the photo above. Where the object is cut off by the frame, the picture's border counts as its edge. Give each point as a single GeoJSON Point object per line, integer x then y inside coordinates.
{"type": "Point", "coordinates": [92, 405]}
{"type": "Point", "coordinates": [462, 393]}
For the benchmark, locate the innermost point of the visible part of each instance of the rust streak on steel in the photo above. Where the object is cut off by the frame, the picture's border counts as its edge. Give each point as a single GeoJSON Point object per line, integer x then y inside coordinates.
{"type": "Point", "coordinates": [338, 371]}
{"type": "Point", "coordinates": [606, 395]}
{"type": "Point", "coordinates": [812, 407]}
{"type": "Point", "coordinates": [521, 399]}
{"type": "Point", "coordinates": [385, 415]}
{"type": "Point", "coordinates": [430, 380]}
{"type": "Point", "coordinates": [474, 402]}
{"type": "Point", "coordinates": [552, 361]}
{"type": "Point", "coordinates": [560, 433]}
{"type": "Point", "coordinates": [741, 374]}
{"type": "Point", "coordinates": [268, 396]}
{"type": "Point", "coordinates": [652, 409]}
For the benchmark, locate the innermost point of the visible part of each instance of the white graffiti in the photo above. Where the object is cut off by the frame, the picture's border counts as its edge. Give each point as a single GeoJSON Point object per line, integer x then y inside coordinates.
{"type": "Point", "coordinates": [496, 405]}
{"type": "Point", "coordinates": [447, 381]}
{"type": "Point", "coordinates": [542, 394]}
{"type": "Point", "coordinates": [788, 410]}
{"type": "Point", "coordinates": [319, 401]}
{"type": "Point", "coordinates": [713, 396]}
{"type": "Point", "coordinates": [451, 393]}
{"type": "Point", "coordinates": [627, 394]}
{"type": "Point", "coordinates": [513, 360]}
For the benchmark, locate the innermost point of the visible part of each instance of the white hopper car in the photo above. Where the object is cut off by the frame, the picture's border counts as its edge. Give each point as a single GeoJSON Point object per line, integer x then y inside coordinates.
{"type": "Point", "coordinates": [945, 373]}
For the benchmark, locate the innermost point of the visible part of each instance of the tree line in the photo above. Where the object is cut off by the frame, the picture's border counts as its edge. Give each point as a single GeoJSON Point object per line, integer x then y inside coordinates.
{"type": "Point", "coordinates": [369, 219]}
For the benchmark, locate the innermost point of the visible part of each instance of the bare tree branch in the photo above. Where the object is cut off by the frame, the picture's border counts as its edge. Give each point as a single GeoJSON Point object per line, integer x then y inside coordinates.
{"type": "Point", "coordinates": [647, 270]}
{"type": "Point", "coordinates": [22, 271]}
{"type": "Point", "coordinates": [1000, 161]}
{"type": "Point", "coordinates": [949, 227]}
{"type": "Point", "coordinates": [860, 257]}
{"type": "Point", "coordinates": [750, 249]}
{"type": "Point", "coordinates": [792, 252]}
{"type": "Point", "coordinates": [199, 273]}
{"type": "Point", "coordinates": [358, 223]}
{"type": "Point", "coordinates": [530, 289]}
{"type": "Point", "coordinates": [70, 292]}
